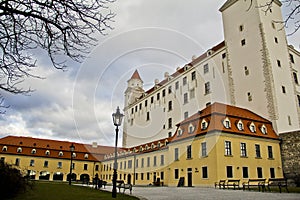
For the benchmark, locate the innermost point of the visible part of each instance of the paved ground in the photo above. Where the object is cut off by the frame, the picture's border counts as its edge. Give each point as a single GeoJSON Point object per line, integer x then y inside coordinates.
{"type": "Point", "coordinates": [185, 193]}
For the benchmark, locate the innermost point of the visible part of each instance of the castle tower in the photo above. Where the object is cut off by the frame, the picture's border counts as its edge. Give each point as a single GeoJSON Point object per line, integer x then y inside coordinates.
{"type": "Point", "coordinates": [258, 57]}
{"type": "Point", "coordinates": [133, 92]}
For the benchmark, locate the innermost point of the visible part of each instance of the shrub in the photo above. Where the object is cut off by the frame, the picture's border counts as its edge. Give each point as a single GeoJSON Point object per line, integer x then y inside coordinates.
{"type": "Point", "coordinates": [11, 181]}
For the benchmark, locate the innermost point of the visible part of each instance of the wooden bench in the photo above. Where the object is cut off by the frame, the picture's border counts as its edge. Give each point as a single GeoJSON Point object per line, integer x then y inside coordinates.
{"type": "Point", "coordinates": [221, 184]}
{"type": "Point", "coordinates": [234, 183]}
{"type": "Point", "coordinates": [125, 186]}
{"type": "Point", "coordinates": [259, 182]}
{"type": "Point", "coordinates": [277, 182]}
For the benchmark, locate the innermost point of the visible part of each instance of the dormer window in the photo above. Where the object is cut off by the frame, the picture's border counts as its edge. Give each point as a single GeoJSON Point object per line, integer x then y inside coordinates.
{"type": "Point", "coordinates": [60, 154]}
{"type": "Point", "coordinates": [240, 125]}
{"type": "Point", "coordinates": [158, 145]}
{"type": "Point", "coordinates": [263, 129]}
{"type": "Point", "coordinates": [179, 132]}
{"type": "Point", "coordinates": [4, 148]}
{"type": "Point", "coordinates": [147, 147]}
{"type": "Point", "coordinates": [86, 156]}
{"type": "Point", "coordinates": [252, 127]}
{"type": "Point", "coordinates": [33, 151]}
{"type": "Point", "coordinates": [141, 148]}
{"type": "Point", "coordinates": [47, 153]}
{"type": "Point", "coordinates": [152, 146]}
{"type": "Point", "coordinates": [226, 123]}
{"type": "Point", "coordinates": [191, 128]}
{"type": "Point", "coordinates": [74, 155]}
{"type": "Point", "coordinates": [204, 124]}
{"type": "Point", "coordinates": [19, 150]}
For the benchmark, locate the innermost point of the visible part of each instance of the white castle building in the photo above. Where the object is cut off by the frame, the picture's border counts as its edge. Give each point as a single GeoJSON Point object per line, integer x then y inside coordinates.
{"type": "Point", "coordinates": [253, 67]}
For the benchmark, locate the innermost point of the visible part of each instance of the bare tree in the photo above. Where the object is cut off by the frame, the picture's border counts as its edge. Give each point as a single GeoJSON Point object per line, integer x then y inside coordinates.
{"type": "Point", "coordinates": [62, 28]}
{"type": "Point", "coordinates": [291, 19]}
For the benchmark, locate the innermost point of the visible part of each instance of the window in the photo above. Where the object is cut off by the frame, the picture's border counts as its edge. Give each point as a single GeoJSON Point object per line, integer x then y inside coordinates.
{"type": "Point", "coordinates": [86, 156]}
{"type": "Point", "coordinates": [148, 116]}
{"type": "Point", "coordinates": [85, 167]}
{"type": "Point", "coordinates": [240, 125]}
{"type": "Point", "coordinates": [205, 68]}
{"type": "Point", "coordinates": [137, 163]}
{"type": "Point", "coordinates": [60, 154]}
{"type": "Point", "coordinates": [152, 99]}
{"type": "Point", "coordinates": [154, 161]}
{"type": "Point", "coordinates": [17, 162]}
{"type": "Point", "coordinates": [176, 152]}
{"type": "Point", "coordinates": [129, 164]}
{"type": "Point", "coordinates": [19, 150]}
{"type": "Point", "coordinates": [179, 132]}
{"type": "Point", "coordinates": [263, 129]}
{"type": "Point", "coordinates": [241, 28]}
{"type": "Point", "coordinates": [191, 128]}
{"type": "Point", "coordinates": [157, 96]}
{"type": "Point", "coordinates": [47, 152]}
{"type": "Point", "coordinates": [204, 124]}
{"type": "Point", "coordinates": [177, 85]}
{"type": "Point", "coordinates": [270, 152]}
{"type": "Point", "coordinates": [189, 152]}
{"type": "Point", "coordinates": [203, 149]}
{"type": "Point", "coordinates": [132, 110]}
{"type": "Point", "coordinates": [246, 71]}
{"type": "Point", "coordinates": [176, 173]}
{"type": "Point", "coordinates": [31, 164]}
{"type": "Point", "coordinates": [204, 172]}
{"type": "Point", "coordinates": [46, 163]}
{"type": "Point", "coordinates": [185, 98]}
{"type": "Point", "coordinates": [259, 172]}
{"type": "Point", "coordinates": [184, 80]}
{"type": "Point", "coordinates": [226, 123]}
{"type": "Point", "coordinates": [249, 96]}
{"type": "Point", "coordinates": [243, 42]}
{"type": "Point", "coordinates": [162, 175]}
{"type": "Point", "coordinates": [170, 123]}
{"type": "Point", "coordinates": [298, 97]}
{"type": "Point", "coordinates": [229, 172]}
{"type": "Point", "coordinates": [163, 93]}
{"type": "Point", "coordinates": [146, 103]}
{"type": "Point", "coordinates": [136, 176]}
{"type": "Point", "coordinates": [124, 164]}
{"type": "Point", "coordinates": [252, 127]}
{"type": "Point", "coordinates": [148, 161]}
{"type": "Point", "coordinates": [140, 106]}
{"type": "Point", "coordinates": [289, 120]}
{"type": "Point", "coordinates": [245, 172]}
{"type": "Point", "coordinates": [278, 63]}
{"type": "Point", "coordinates": [193, 75]}
{"type": "Point", "coordinates": [148, 175]}
{"type": "Point", "coordinates": [59, 165]}
{"type": "Point", "coordinates": [207, 88]}
{"type": "Point", "coordinates": [243, 150]}
{"type": "Point", "coordinates": [228, 148]}
{"type": "Point", "coordinates": [136, 108]}
{"type": "Point", "coordinates": [186, 114]}
{"type": "Point", "coordinates": [142, 163]}
{"type": "Point", "coordinates": [276, 40]}
{"type": "Point", "coordinates": [97, 167]}
{"type": "Point", "coordinates": [192, 93]}
{"type": "Point", "coordinates": [292, 58]}
{"type": "Point", "coordinates": [272, 172]}
{"type": "Point", "coordinates": [295, 78]}
{"type": "Point", "coordinates": [170, 89]}
{"type": "Point", "coordinates": [223, 55]}
{"type": "Point", "coordinates": [283, 89]}
{"type": "Point", "coordinates": [142, 176]}
{"type": "Point", "coordinates": [257, 151]}
{"type": "Point", "coordinates": [162, 159]}
{"type": "Point", "coordinates": [170, 105]}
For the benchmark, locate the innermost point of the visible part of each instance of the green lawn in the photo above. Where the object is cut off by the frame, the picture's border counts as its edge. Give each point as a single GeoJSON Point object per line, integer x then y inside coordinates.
{"type": "Point", "coordinates": [63, 191]}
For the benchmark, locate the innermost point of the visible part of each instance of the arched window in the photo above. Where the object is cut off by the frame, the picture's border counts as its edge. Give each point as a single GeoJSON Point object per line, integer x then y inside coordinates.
{"type": "Point", "coordinates": [226, 123]}
{"type": "Point", "coordinates": [86, 156]}
{"type": "Point", "coordinates": [60, 154]}
{"type": "Point", "coordinates": [158, 145]}
{"type": "Point", "coordinates": [19, 150]}
{"type": "Point", "coordinates": [152, 146]}
{"type": "Point", "coordinates": [179, 132]}
{"type": "Point", "coordinates": [191, 128]}
{"type": "Point", "coordinates": [252, 127]}
{"type": "Point", "coordinates": [240, 125]}
{"type": "Point", "coordinates": [4, 148]}
{"type": "Point", "coordinates": [141, 148]}
{"type": "Point", "coordinates": [204, 124]}
{"type": "Point", "coordinates": [33, 151]}
{"type": "Point", "coordinates": [263, 129]}
{"type": "Point", "coordinates": [47, 152]}
{"type": "Point", "coordinates": [74, 155]}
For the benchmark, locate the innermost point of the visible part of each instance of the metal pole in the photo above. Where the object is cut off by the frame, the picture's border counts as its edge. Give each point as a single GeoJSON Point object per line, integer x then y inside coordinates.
{"type": "Point", "coordinates": [114, 190]}
{"type": "Point", "coordinates": [70, 178]}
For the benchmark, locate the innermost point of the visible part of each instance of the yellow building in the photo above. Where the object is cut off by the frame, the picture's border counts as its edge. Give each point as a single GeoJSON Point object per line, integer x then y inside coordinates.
{"type": "Point", "coordinates": [218, 142]}
{"type": "Point", "coordinates": [43, 159]}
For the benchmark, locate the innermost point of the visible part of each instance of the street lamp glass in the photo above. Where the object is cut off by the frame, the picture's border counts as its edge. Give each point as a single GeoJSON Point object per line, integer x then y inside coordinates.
{"type": "Point", "coordinates": [72, 147]}
{"type": "Point", "coordinates": [117, 117]}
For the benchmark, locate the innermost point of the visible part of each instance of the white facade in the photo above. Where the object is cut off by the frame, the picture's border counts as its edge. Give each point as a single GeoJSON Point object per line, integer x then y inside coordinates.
{"type": "Point", "coordinates": [253, 68]}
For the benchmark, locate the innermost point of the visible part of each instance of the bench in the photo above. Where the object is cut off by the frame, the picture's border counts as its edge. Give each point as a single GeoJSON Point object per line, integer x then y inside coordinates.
{"type": "Point", "coordinates": [221, 184]}
{"type": "Point", "coordinates": [277, 182]}
{"type": "Point", "coordinates": [234, 183]}
{"type": "Point", "coordinates": [259, 182]}
{"type": "Point", "coordinates": [125, 186]}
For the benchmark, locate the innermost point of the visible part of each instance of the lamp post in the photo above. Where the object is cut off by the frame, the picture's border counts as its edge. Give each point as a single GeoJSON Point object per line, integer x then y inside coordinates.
{"type": "Point", "coordinates": [117, 119]}
{"type": "Point", "coordinates": [72, 148]}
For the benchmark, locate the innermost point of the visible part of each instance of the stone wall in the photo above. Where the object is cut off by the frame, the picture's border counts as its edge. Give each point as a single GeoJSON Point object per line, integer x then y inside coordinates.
{"type": "Point", "coordinates": [290, 152]}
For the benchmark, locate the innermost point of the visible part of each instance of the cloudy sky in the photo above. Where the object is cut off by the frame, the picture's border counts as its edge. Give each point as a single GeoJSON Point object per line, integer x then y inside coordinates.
{"type": "Point", "coordinates": [152, 36]}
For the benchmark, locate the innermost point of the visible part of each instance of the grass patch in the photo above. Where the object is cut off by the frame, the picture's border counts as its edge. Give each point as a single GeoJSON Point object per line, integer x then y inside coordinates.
{"type": "Point", "coordinates": [63, 191]}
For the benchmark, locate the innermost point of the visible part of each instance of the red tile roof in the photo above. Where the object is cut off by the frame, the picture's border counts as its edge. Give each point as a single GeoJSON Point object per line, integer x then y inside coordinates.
{"type": "Point", "coordinates": [215, 114]}
{"type": "Point", "coordinates": [136, 75]}
{"type": "Point", "coordinates": [54, 146]}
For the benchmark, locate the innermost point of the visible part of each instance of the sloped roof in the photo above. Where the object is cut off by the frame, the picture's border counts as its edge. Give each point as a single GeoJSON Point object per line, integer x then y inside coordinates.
{"type": "Point", "coordinates": [136, 75]}
{"type": "Point", "coordinates": [215, 114]}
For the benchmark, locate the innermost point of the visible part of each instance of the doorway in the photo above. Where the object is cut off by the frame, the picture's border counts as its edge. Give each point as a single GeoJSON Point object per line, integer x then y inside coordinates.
{"type": "Point", "coordinates": [190, 177]}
